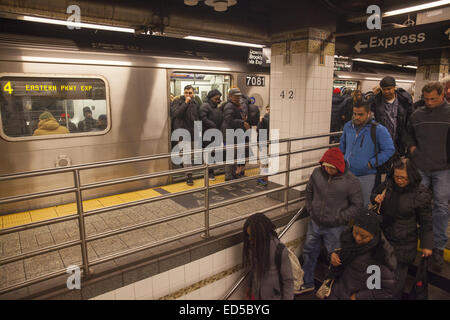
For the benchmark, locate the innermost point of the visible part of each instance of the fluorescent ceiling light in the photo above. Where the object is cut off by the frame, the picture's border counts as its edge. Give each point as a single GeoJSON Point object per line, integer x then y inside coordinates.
{"type": "Point", "coordinates": [182, 66]}
{"type": "Point", "coordinates": [369, 61]}
{"type": "Point", "coordinates": [409, 81]}
{"type": "Point", "coordinates": [75, 61]}
{"type": "Point", "coordinates": [344, 77]}
{"type": "Point", "coordinates": [375, 79]}
{"type": "Point", "coordinates": [233, 43]}
{"type": "Point", "coordinates": [78, 25]}
{"type": "Point", "coordinates": [411, 67]}
{"type": "Point", "coordinates": [416, 8]}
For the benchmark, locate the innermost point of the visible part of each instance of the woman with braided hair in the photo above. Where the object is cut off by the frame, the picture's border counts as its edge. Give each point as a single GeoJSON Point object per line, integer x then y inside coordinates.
{"type": "Point", "coordinates": [258, 255]}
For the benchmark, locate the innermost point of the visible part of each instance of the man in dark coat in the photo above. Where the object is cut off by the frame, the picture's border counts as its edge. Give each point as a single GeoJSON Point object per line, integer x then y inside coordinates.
{"type": "Point", "coordinates": [363, 268]}
{"type": "Point", "coordinates": [429, 146]}
{"type": "Point", "coordinates": [211, 118]}
{"type": "Point", "coordinates": [337, 104]}
{"type": "Point", "coordinates": [392, 108]}
{"type": "Point", "coordinates": [263, 124]}
{"type": "Point", "coordinates": [184, 112]}
{"type": "Point", "coordinates": [234, 118]}
{"type": "Point", "coordinates": [89, 123]}
{"type": "Point", "coordinates": [333, 196]}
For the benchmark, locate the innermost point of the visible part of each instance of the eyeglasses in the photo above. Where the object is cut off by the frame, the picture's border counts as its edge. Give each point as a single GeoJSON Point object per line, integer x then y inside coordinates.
{"type": "Point", "coordinates": [401, 178]}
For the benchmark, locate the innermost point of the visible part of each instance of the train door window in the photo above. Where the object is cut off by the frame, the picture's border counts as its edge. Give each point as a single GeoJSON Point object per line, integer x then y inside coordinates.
{"type": "Point", "coordinates": [202, 83]}
{"type": "Point", "coordinates": [34, 107]}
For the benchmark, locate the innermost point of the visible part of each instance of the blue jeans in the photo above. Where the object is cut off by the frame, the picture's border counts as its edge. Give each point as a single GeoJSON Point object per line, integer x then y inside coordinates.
{"type": "Point", "coordinates": [367, 184]}
{"type": "Point", "coordinates": [311, 250]}
{"type": "Point", "coordinates": [440, 185]}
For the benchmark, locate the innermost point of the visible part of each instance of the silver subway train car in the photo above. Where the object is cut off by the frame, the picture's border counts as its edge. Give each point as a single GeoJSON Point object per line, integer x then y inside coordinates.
{"type": "Point", "coordinates": [112, 105]}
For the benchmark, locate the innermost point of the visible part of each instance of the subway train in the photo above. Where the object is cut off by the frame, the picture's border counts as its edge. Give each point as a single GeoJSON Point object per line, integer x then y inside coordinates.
{"type": "Point", "coordinates": [132, 91]}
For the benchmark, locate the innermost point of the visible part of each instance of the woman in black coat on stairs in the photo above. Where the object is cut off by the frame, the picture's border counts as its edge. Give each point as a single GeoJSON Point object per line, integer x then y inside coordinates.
{"type": "Point", "coordinates": [406, 213]}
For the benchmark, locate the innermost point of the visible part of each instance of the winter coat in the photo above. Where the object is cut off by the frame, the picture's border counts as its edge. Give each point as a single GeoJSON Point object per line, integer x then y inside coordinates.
{"type": "Point", "coordinates": [88, 124]}
{"type": "Point", "coordinates": [337, 106]}
{"type": "Point", "coordinates": [232, 118]}
{"type": "Point", "coordinates": [49, 126]}
{"type": "Point", "coordinates": [347, 108]}
{"type": "Point", "coordinates": [355, 275]}
{"type": "Point", "coordinates": [429, 130]}
{"type": "Point", "coordinates": [210, 116]}
{"type": "Point", "coordinates": [405, 110]}
{"type": "Point", "coordinates": [333, 201]}
{"type": "Point", "coordinates": [183, 115]}
{"type": "Point", "coordinates": [358, 148]}
{"type": "Point", "coordinates": [413, 207]}
{"type": "Point", "coordinates": [268, 288]}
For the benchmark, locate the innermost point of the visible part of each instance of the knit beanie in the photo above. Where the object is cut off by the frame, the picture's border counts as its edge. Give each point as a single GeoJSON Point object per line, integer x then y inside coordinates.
{"type": "Point", "coordinates": [214, 93]}
{"type": "Point", "coordinates": [87, 109]}
{"type": "Point", "coordinates": [337, 91]}
{"type": "Point", "coordinates": [334, 157]}
{"type": "Point", "coordinates": [368, 220]}
{"type": "Point", "coordinates": [45, 115]}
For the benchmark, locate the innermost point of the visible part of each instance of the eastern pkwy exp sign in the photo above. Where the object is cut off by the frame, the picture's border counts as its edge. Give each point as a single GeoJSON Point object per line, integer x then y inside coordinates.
{"type": "Point", "coordinates": [421, 37]}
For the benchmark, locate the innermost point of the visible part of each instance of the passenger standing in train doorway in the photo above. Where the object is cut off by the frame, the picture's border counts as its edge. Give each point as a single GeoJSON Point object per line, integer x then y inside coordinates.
{"type": "Point", "coordinates": [333, 197]}
{"type": "Point", "coordinates": [234, 118]}
{"type": "Point", "coordinates": [184, 113]}
{"type": "Point", "coordinates": [89, 123]}
{"type": "Point", "coordinates": [211, 118]}
{"type": "Point", "coordinates": [258, 256]}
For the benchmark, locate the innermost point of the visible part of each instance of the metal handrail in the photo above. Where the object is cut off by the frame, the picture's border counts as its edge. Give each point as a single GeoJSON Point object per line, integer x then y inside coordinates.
{"type": "Point", "coordinates": [247, 272]}
{"type": "Point", "coordinates": [81, 214]}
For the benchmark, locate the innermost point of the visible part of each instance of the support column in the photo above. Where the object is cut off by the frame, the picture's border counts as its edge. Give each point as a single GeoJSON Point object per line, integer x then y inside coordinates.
{"type": "Point", "coordinates": [431, 67]}
{"type": "Point", "coordinates": [300, 92]}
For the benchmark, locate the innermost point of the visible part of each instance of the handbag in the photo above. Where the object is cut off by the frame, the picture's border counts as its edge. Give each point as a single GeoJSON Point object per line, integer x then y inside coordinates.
{"type": "Point", "coordinates": [325, 289]}
{"type": "Point", "coordinates": [420, 289]}
{"type": "Point", "coordinates": [377, 206]}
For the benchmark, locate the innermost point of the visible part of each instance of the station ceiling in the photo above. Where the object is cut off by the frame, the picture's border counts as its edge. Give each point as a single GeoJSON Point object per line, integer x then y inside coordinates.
{"type": "Point", "coordinates": [248, 20]}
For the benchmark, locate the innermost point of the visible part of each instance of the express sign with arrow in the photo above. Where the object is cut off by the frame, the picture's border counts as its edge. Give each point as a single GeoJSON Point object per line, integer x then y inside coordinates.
{"type": "Point", "coordinates": [422, 37]}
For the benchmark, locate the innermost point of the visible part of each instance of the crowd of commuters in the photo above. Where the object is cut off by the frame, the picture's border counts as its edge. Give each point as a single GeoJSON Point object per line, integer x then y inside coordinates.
{"type": "Point", "coordinates": [370, 201]}
{"type": "Point", "coordinates": [236, 112]}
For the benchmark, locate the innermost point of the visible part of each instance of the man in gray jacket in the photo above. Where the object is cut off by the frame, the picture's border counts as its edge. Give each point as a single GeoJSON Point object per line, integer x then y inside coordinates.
{"type": "Point", "coordinates": [333, 197]}
{"type": "Point", "coordinates": [429, 146]}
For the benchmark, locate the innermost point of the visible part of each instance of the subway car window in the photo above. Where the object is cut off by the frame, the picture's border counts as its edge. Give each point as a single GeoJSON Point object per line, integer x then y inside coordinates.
{"type": "Point", "coordinates": [51, 106]}
{"type": "Point", "coordinates": [202, 83]}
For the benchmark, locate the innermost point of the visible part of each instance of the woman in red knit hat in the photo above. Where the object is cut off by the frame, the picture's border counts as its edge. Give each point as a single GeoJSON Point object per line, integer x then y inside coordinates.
{"type": "Point", "coordinates": [333, 197]}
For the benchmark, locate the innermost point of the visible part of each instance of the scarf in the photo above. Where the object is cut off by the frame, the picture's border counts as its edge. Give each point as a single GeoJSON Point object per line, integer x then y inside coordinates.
{"type": "Point", "coordinates": [350, 250]}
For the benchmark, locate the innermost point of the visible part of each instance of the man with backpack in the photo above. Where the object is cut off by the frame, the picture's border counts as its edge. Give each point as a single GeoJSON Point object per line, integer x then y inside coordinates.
{"type": "Point", "coordinates": [392, 108]}
{"type": "Point", "coordinates": [366, 145]}
{"type": "Point", "coordinates": [333, 197]}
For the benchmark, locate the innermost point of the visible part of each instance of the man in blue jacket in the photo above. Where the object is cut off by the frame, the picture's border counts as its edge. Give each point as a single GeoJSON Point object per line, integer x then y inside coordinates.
{"type": "Point", "coordinates": [359, 150]}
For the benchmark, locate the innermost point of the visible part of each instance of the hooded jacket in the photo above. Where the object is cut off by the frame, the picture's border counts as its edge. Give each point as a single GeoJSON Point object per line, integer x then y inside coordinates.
{"type": "Point", "coordinates": [405, 110]}
{"type": "Point", "coordinates": [359, 150]}
{"type": "Point", "coordinates": [413, 207]}
{"type": "Point", "coordinates": [429, 130]}
{"type": "Point", "coordinates": [355, 276]}
{"type": "Point", "coordinates": [333, 201]}
{"type": "Point", "coordinates": [210, 116]}
{"type": "Point", "coordinates": [337, 107]}
{"type": "Point", "coordinates": [49, 126]}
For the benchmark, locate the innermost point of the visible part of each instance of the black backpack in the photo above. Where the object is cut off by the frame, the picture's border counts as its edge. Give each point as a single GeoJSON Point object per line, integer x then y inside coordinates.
{"type": "Point", "coordinates": [385, 167]}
